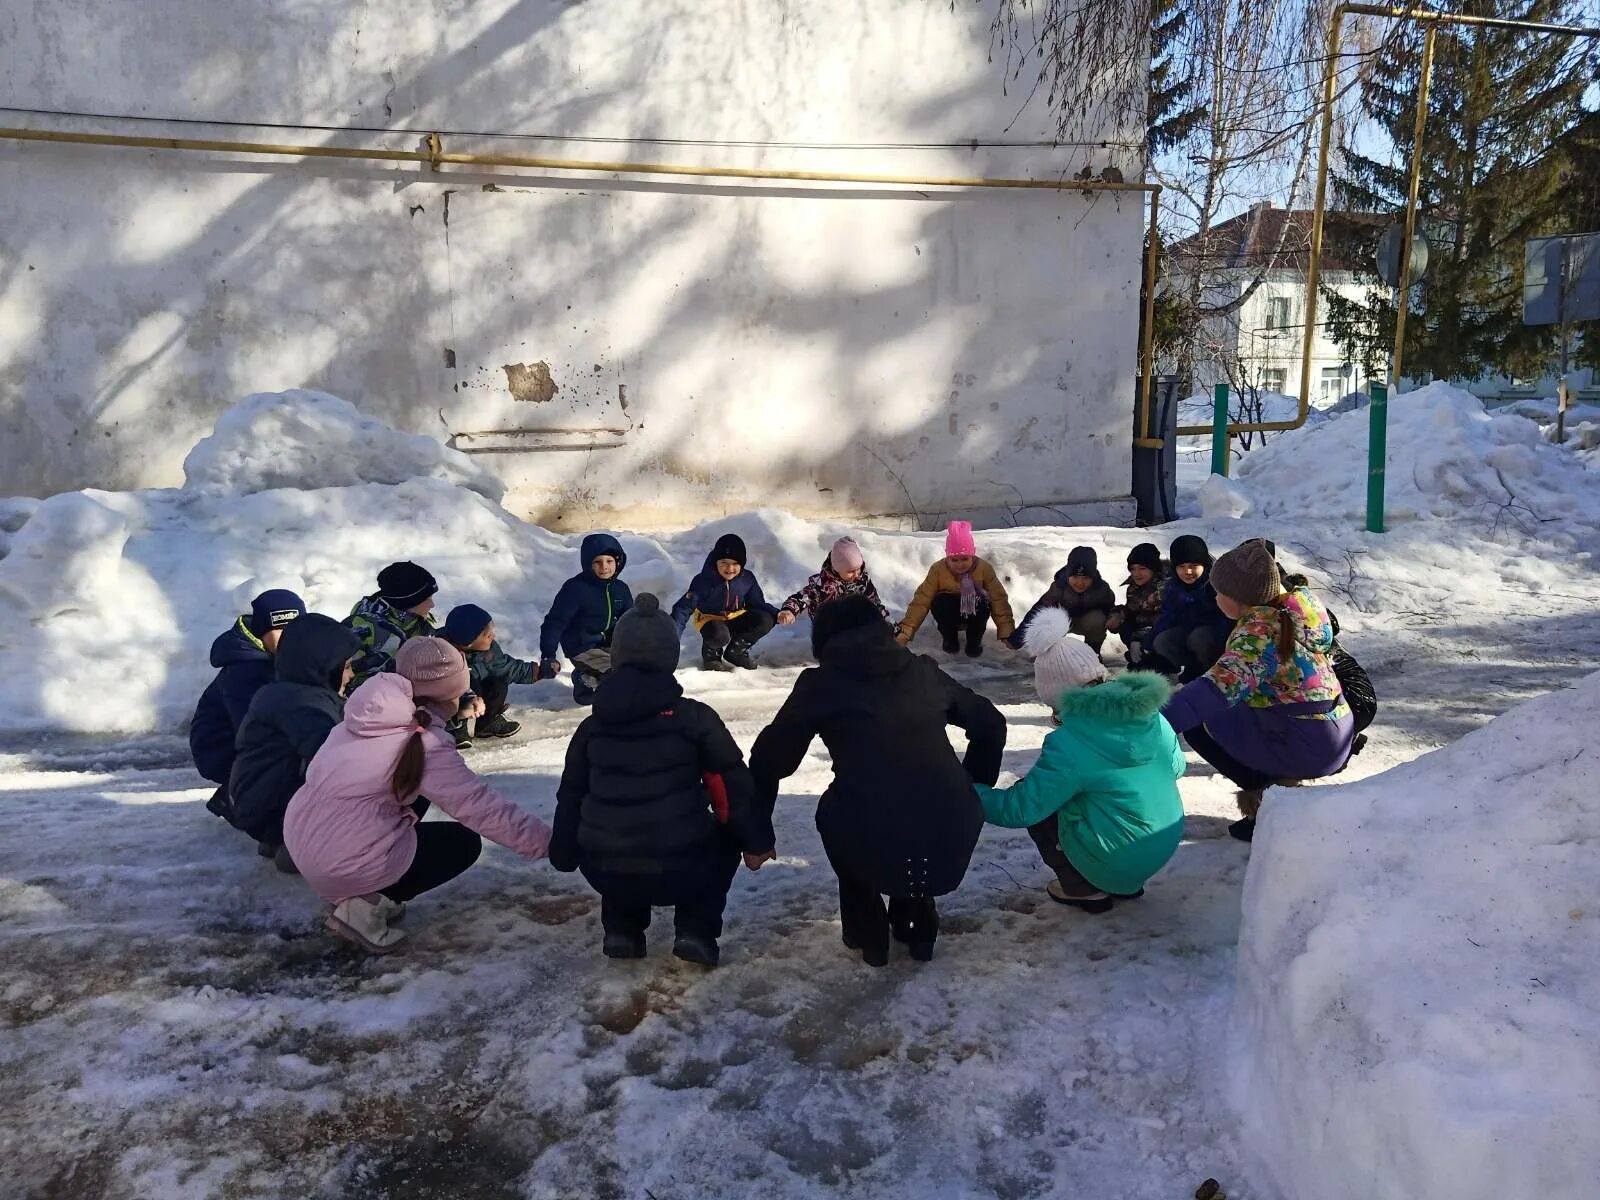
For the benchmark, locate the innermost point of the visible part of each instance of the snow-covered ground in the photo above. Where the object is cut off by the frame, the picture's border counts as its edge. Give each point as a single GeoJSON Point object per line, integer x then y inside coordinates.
{"type": "Point", "coordinates": [175, 1023]}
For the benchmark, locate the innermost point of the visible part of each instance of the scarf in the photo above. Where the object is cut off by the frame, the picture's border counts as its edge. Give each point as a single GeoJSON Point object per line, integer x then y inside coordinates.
{"type": "Point", "coordinates": [969, 596]}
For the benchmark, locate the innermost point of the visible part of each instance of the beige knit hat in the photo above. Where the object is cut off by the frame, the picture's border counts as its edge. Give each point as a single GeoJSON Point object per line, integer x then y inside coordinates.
{"type": "Point", "coordinates": [1247, 574]}
{"type": "Point", "coordinates": [436, 669]}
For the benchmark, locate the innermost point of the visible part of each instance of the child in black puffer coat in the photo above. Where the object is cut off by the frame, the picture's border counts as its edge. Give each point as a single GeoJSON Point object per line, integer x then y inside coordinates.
{"type": "Point", "coordinates": [655, 802]}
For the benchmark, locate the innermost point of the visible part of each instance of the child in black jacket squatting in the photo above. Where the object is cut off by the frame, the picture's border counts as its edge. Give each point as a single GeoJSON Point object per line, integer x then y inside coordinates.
{"type": "Point", "coordinates": [901, 817]}
{"type": "Point", "coordinates": [655, 803]}
{"type": "Point", "coordinates": [727, 606]}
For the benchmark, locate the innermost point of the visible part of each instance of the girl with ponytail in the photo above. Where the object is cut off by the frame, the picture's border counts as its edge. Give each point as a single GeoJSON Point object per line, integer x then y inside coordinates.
{"type": "Point", "coordinates": [1270, 710]}
{"type": "Point", "coordinates": [353, 828]}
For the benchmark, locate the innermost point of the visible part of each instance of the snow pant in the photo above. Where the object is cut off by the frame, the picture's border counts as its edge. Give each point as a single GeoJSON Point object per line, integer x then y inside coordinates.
{"type": "Point", "coordinates": [747, 629]}
{"type": "Point", "coordinates": [866, 922]}
{"type": "Point", "coordinates": [1207, 747]}
{"type": "Point", "coordinates": [1191, 651]}
{"type": "Point", "coordinates": [588, 669]}
{"type": "Point", "coordinates": [697, 896]}
{"type": "Point", "coordinates": [444, 850]}
{"type": "Point", "coordinates": [1046, 836]}
{"type": "Point", "coordinates": [1091, 627]}
{"type": "Point", "coordinates": [946, 610]}
{"type": "Point", "coordinates": [494, 692]}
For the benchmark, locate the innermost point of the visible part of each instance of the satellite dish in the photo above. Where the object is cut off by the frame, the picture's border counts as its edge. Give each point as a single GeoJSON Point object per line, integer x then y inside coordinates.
{"type": "Point", "coordinates": [1389, 255]}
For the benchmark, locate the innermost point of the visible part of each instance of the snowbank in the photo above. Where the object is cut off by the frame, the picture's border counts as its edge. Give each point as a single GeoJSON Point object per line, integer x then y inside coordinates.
{"type": "Point", "coordinates": [1419, 973]}
{"type": "Point", "coordinates": [304, 439]}
{"type": "Point", "coordinates": [1447, 457]}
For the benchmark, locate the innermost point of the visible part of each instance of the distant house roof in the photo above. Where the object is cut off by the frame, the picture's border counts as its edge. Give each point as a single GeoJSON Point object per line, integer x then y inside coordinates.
{"type": "Point", "coordinates": [1249, 239]}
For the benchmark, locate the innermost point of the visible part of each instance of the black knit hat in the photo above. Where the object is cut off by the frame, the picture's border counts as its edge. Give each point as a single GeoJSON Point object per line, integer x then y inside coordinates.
{"type": "Point", "coordinates": [1083, 561]}
{"type": "Point", "coordinates": [405, 585]}
{"type": "Point", "coordinates": [645, 637]}
{"type": "Point", "coordinates": [730, 545]}
{"type": "Point", "coordinates": [1190, 549]}
{"type": "Point", "coordinates": [1145, 554]}
{"type": "Point", "coordinates": [837, 616]}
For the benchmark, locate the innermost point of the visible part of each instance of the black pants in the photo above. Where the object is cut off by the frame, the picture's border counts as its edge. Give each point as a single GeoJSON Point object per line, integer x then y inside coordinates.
{"type": "Point", "coordinates": [1356, 686]}
{"type": "Point", "coordinates": [1046, 836]}
{"type": "Point", "coordinates": [1208, 748]}
{"type": "Point", "coordinates": [1191, 651]}
{"type": "Point", "coordinates": [696, 898]}
{"type": "Point", "coordinates": [946, 610]}
{"type": "Point", "coordinates": [444, 850]}
{"type": "Point", "coordinates": [748, 627]}
{"type": "Point", "coordinates": [866, 922]}
{"type": "Point", "coordinates": [494, 692]}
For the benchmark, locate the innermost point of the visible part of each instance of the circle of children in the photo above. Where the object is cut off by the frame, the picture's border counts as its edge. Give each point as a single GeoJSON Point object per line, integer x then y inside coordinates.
{"type": "Point", "coordinates": [330, 739]}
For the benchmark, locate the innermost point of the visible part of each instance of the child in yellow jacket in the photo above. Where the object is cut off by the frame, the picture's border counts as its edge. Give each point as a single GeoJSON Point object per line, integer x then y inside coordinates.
{"type": "Point", "coordinates": [962, 592]}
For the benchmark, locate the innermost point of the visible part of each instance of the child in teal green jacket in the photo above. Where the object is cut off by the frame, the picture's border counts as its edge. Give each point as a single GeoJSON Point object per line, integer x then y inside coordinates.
{"type": "Point", "coordinates": [1102, 802]}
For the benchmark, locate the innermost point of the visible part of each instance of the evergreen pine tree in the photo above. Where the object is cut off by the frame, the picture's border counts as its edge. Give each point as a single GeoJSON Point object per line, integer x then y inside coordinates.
{"type": "Point", "coordinates": [1499, 100]}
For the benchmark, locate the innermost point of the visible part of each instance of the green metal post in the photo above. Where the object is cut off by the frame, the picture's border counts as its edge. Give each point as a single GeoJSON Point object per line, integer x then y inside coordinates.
{"type": "Point", "coordinates": [1377, 455]}
{"type": "Point", "coordinates": [1219, 432]}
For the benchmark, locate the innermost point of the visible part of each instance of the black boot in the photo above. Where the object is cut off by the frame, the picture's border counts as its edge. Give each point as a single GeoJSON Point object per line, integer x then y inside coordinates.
{"type": "Point", "coordinates": [692, 947]}
{"type": "Point", "coordinates": [283, 862]}
{"type": "Point", "coordinates": [623, 945]}
{"type": "Point", "coordinates": [739, 655]}
{"type": "Point", "coordinates": [495, 727]}
{"type": "Point", "coordinates": [218, 804]}
{"type": "Point", "coordinates": [1244, 829]}
{"type": "Point", "coordinates": [952, 641]}
{"type": "Point", "coordinates": [711, 659]}
{"type": "Point", "coordinates": [457, 729]}
{"type": "Point", "coordinates": [974, 643]}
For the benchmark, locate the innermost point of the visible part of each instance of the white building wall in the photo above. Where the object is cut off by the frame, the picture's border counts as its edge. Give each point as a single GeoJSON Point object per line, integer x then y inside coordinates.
{"type": "Point", "coordinates": [837, 350]}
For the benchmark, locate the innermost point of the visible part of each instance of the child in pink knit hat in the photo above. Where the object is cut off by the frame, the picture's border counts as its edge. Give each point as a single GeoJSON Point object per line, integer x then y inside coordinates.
{"type": "Point", "coordinates": [963, 592]}
{"type": "Point", "coordinates": [844, 573]}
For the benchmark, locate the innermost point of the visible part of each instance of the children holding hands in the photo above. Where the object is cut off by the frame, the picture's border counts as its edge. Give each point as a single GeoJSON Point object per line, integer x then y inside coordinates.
{"type": "Point", "coordinates": [963, 593]}
{"type": "Point", "coordinates": [584, 614]}
{"type": "Point", "coordinates": [844, 573]}
{"type": "Point", "coordinates": [727, 607]}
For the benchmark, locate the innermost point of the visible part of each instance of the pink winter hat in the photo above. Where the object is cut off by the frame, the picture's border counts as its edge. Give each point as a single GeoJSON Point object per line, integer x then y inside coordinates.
{"type": "Point", "coordinates": [958, 539]}
{"type": "Point", "coordinates": [846, 556]}
{"type": "Point", "coordinates": [436, 669]}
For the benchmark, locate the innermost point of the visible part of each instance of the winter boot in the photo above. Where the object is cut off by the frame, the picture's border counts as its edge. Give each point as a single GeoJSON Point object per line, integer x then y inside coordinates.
{"type": "Point", "coordinates": [267, 849]}
{"type": "Point", "coordinates": [391, 911]}
{"type": "Point", "coordinates": [281, 860]}
{"type": "Point", "coordinates": [1097, 902]}
{"type": "Point", "coordinates": [875, 956]}
{"type": "Point", "coordinates": [583, 686]}
{"type": "Point", "coordinates": [360, 921]}
{"type": "Point", "coordinates": [692, 947]}
{"type": "Point", "coordinates": [218, 804]}
{"type": "Point", "coordinates": [458, 730]}
{"type": "Point", "coordinates": [1243, 829]}
{"type": "Point", "coordinates": [952, 641]}
{"type": "Point", "coordinates": [495, 727]}
{"type": "Point", "coordinates": [711, 659]}
{"type": "Point", "coordinates": [975, 643]}
{"type": "Point", "coordinates": [623, 945]}
{"type": "Point", "coordinates": [739, 655]}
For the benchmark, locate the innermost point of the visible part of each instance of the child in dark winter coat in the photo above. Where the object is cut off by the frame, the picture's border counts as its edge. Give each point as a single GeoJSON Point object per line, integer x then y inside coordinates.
{"type": "Point", "coordinates": [1102, 802]}
{"type": "Point", "coordinates": [398, 611]}
{"type": "Point", "coordinates": [584, 614]}
{"type": "Point", "coordinates": [1191, 631]}
{"type": "Point", "coordinates": [490, 673]}
{"type": "Point", "coordinates": [962, 591]}
{"type": "Point", "coordinates": [900, 818]}
{"type": "Point", "coordinates": [655, 803]}
{"type": "Point", "coordinates": [286, 725]}
{"type": "Point", "coordinates": [1135, 619]}
{"type": "Point", "coordinates": [844, 573]}
{"type": "Point", "coordinates": [727, 607]}
{"type": "Point", "coordinates": [1079, 591]}
{"type": "Point", "coordinates": [243, 658]}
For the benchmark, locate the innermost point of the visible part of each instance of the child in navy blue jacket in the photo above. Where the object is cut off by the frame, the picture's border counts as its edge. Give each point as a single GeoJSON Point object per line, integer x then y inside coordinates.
{"type": "Point", "coordinates": [727, 607]}
{"type": "Point", "coordinates": [1191, 631]}
{"type": "Point", "coordinates": [584, 614]}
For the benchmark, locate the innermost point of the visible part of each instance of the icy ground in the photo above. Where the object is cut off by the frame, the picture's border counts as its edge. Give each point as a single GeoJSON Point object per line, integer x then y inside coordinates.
{"type": "Point", "coordinates": [174, 1023]}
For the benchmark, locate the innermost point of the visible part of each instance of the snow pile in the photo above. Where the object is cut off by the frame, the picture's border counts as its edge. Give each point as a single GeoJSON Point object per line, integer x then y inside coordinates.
{"type": "Point", "coordinates": [1446, 456]}
{"type": "Point", "coordinates": [1419, 972]}
{"type": "Point", "coordinates": [1221, 497]}
{"type": "Point", "coordinates": [304, 439]}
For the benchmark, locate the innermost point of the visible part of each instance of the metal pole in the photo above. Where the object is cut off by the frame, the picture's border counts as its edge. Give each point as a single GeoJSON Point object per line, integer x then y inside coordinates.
{"type": "Point", "coordinates": [1147, 347]}
{"type": "Point", "coordinates": [1411, 209]}
{"type": "Point", "coordinates": [1377, 455]}
{"type": "Point", "coordinates": [1219, 431]}
{"type": "Point", "coordinates": [1330, 79]}
{"type": "Point", "coordinates": [1563, 394]}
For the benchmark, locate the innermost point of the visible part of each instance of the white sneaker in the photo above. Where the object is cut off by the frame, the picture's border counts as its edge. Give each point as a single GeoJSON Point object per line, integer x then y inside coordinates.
{"type": "Point", "coordinates": [390, 910]}
{"type": "Point", "coordinates": [361, 921]}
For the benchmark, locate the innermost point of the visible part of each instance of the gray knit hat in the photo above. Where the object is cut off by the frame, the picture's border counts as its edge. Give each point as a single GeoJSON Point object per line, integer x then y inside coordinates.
{"type": "Point", "coordinates": [645, 637]}
{"type": "Point", "coordinates": [1247, 574]}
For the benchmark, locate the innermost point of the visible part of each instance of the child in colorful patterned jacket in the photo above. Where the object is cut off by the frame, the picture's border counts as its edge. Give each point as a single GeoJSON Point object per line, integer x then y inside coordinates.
{"type": "Point", "coordinates": [844, 573]}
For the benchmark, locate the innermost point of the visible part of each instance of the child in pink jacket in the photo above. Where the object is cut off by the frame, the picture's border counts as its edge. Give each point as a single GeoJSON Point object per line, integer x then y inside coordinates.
{"type": "Point", "coordinates": [353, 829]}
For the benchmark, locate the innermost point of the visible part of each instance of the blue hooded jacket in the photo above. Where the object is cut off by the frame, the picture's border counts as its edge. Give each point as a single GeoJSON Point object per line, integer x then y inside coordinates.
{"type": "Point", "coordinates": [714, 596]}
{"type": "Point", "coordinates": [243, 668]}
{"type": "Point", "coordinates": [585, 610]}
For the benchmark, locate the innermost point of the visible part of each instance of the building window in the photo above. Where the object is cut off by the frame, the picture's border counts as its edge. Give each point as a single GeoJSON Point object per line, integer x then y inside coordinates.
{"type": "Point", "coordinates": [1274, 379]}
{"type": "Point", "coordinates": [1278, 312]}
{"type": "Point", "coordinates": [1332, 383]}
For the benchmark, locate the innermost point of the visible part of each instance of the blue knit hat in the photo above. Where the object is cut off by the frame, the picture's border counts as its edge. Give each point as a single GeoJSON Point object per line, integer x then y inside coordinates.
{"type": "Point", "coordinates": [274, 609]}
{"type": "Point", "coordinates": [464, 624]}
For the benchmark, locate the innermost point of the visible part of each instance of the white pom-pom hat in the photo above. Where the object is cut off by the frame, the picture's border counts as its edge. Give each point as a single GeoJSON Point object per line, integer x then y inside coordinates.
{"type": "Point", "coordinates": [1061, 659]}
